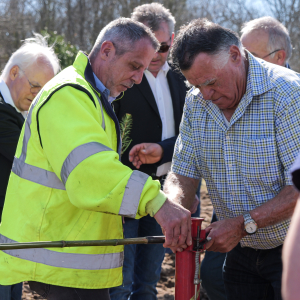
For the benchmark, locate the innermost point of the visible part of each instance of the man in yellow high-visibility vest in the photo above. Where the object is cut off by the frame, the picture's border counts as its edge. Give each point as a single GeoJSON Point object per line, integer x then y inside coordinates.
{"type": "Point", "coordinates": [67, 181]}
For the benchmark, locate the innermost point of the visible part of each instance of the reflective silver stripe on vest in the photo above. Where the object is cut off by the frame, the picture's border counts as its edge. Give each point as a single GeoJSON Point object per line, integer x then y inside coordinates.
{"type": "Point", "coordinates": [132, 195]}
{"type": "Point", "coordinates": [66, 260]}
{"type": "Point", "coordinates": [27, 131]}
{"type": "Point", "coordinates": [79, 154]}
{"type": "Point", "coordinates": [48, 178]}
{"type": "Point", "coordinates": [36, 174]}
{"type": "Point", "coordinates": [29, 172]}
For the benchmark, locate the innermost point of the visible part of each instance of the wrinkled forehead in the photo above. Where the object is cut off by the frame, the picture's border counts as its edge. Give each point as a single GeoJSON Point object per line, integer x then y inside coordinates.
{"type": "Point", "coordinates": [143, 51]}
{"type": "Point", "coordinates": [202, 71]}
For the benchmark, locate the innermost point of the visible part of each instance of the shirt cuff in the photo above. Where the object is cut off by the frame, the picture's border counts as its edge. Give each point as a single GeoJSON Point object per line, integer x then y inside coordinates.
{"type": "Point", "coordinates": [154, 205]}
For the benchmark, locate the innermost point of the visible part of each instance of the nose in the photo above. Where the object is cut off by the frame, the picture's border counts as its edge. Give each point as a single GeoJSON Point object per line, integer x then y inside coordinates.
{"type": "Point", "coordinates": [155, 55]}
{"type": "Point", "coordinates": [137, 76]}
{"type": "Point", "coordinates": [207, 92]}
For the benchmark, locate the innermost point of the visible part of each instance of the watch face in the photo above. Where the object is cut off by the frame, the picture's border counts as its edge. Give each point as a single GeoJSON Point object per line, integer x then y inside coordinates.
{"type": "Point", "coordinates": [250, 227]}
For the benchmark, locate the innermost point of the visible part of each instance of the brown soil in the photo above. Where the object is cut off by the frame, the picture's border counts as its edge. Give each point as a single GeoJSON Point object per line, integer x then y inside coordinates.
{"type": "Point", "coordinates": [166, 285]}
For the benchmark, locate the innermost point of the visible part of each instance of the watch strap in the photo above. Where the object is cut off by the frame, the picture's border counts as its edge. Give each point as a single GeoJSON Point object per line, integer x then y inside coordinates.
{"type": "Point", "coordinates": [247, 217]}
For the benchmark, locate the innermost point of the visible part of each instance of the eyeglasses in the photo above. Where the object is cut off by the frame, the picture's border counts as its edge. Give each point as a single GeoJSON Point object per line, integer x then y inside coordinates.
{"type": "Point", "coordinates": [34, 89]}
{"type": "Point", "coordinates": [271, 53]}
{"type": "Point", "coordinates": [164, 48]}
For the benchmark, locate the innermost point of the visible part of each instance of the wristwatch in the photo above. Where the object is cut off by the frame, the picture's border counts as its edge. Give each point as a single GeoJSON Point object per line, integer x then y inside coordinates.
{"type": "Point", "coordinates": [250, 225]}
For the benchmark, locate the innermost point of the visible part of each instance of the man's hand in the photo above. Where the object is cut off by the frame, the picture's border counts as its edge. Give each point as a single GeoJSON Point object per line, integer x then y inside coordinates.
{"type": "Point", "coordinates": [225, 234]}
{"type": "Point", "coordinates": [175, 222]}
{"type": "Point", "coordinates": [194, 207]}
{"type": "Point", "coordinates": [145, 153]}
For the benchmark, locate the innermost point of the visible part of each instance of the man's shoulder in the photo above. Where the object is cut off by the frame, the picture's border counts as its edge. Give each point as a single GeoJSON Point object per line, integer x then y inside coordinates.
{"type": "Point", "coordinates": [7, 109]}
{"type": "Point", "coordinates": [9, 117]}
{"type": "Point", "coordinates": [282, 75]}
{"type": "Point", "coordinates": [286, 83]}
{"type": "Point", "coordinates": [273, 82]}
{"type": "Point", "coordinates": [273, 75]}
{"type": "Point", "coordinates": [283, 87]}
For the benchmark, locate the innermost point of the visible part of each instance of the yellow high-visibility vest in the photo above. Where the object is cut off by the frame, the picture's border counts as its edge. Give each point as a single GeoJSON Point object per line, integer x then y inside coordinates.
{"type": "Point", "coordinates": [67, 183]}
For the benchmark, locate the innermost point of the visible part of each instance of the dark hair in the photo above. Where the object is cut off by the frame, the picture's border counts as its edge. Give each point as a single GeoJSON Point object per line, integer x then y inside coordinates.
{"type": "Point", "coordinates": [201, 36]}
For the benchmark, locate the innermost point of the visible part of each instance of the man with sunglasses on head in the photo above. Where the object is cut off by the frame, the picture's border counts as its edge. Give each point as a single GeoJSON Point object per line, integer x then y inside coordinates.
{"type": "Point", "coordinates": [156, 107]}
{"type": "Point", "coordinates": [26, 72]}
{"type": "Point", "coordinates": [268, 39]}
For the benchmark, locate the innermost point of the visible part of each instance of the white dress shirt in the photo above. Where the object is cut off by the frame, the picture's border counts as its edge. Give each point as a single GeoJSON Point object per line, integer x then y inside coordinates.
{"type": "Point", "coordinates": [161, 91]}
{"type": "Point", "coordinates": [7, 97]}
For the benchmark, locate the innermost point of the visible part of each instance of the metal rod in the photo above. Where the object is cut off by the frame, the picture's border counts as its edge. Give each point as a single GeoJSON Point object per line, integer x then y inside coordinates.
{"type": "Point", "coordinates": [197, 263]}
{"type": "Point", "coordinates": [62, 244]}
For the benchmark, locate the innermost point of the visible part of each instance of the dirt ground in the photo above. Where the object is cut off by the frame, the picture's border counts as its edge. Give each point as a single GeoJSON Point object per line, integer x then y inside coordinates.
{"type": "Point", "coordinates": [166, 285]}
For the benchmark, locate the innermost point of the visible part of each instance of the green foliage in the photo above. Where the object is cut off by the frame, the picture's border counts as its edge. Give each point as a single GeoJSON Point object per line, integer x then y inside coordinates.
{"type": "Point", "coordinates": [125, 128]}
{"type": "Point", "coordinates": [65, 51]}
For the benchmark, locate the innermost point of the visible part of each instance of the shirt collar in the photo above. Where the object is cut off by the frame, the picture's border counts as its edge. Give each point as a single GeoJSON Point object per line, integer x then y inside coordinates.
{"type": "Point", "coordinates": [258, 74]}
{"type": "Point", "coordinates": [105, 91]}
{"type": "Point", "coordinates": [165, 68]}
{"type": "Point", "coordinates": [7, 97]}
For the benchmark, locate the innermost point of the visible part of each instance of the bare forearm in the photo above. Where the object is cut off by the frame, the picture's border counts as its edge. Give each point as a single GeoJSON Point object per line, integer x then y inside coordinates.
{"type": "Point", "coordinates": [278, 209]}
{"type": "Point", "coordinates": [181, 189]}
{"type": "Point", "coordinates": [227, 233]}
{"type": "Point", "coordinates": [290, 257]}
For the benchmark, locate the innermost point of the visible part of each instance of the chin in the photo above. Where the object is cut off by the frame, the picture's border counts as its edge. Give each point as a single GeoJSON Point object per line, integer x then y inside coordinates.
{"type": "Point", "coordinates": [115, 94]}
{"type": "Point", "coordinates": [155, 69]}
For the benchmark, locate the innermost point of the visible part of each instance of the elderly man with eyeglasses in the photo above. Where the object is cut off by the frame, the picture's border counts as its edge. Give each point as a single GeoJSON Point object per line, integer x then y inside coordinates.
{"type": "Point", "coordinates": [26, 72]}
{"type": "Point", "coordinates": [156, 107]}
{"type": "Point", "coordinates": [268, 39]}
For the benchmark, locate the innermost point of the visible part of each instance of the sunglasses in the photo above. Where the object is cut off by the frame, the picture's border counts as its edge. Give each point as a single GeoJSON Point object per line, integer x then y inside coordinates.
{"type": "Point", "coordinates": [164, 48]}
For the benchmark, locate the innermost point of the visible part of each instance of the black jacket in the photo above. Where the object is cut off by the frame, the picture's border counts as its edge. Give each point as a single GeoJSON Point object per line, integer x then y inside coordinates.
{"type": "Point", "coordinates": [139, 101]}
{"type": "Point", "coordinates": [11, 123]}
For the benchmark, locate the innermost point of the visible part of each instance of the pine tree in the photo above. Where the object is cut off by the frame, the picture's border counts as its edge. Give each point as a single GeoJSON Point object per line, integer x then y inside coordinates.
{"type": "Point", "coordinates": [125, 128]}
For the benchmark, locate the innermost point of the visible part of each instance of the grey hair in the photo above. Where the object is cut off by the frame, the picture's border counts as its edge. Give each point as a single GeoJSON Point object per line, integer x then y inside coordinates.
{"type": "Point", "coordinates": [33, 50]}
{"type": "Point", "coordinates": [278, 34]}
{"type": "Point", "coordinates": [123, 33]}
{"type": "Point", "coordinates": [153, 15]}
{"type": "Point", "coordinates": [203, 36]}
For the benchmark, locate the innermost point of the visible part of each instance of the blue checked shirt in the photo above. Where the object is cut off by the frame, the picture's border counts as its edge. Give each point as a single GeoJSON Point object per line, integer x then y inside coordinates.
{"type": "Point", "coordinates": [246, 164]}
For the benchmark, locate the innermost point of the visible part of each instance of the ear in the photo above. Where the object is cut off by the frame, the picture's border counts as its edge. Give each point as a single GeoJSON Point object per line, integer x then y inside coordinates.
{"type": "Point", "coordinates": [172, 38]}
{"type": "Point", "coordinates": [235, 54]}
{"type": "Point", "coordinates": [280, 57]}
{"type": "Point", "coordinates": [107, 50]}
{"type": "Point", "coordinates": [14, 72]}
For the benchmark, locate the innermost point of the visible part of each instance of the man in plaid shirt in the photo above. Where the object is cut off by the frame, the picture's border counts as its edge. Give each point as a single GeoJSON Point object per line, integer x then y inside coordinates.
{"type": "Point", "coordinates": [240, 132]}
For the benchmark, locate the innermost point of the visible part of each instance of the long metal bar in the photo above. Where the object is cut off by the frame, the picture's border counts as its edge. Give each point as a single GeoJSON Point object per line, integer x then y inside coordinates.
{"type": "Point", "coordinates": [62, 244]}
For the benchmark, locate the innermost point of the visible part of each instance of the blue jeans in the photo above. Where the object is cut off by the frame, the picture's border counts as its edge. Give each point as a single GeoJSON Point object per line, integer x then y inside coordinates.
{"type": "Point", "coordinates": [142, 263]}
{"type": "Point", "coordinates": [11, 292]}
{"type": "Point", "coordinates": [212, 274]}
{"type": "Point", "coordinates": [253, 274]}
